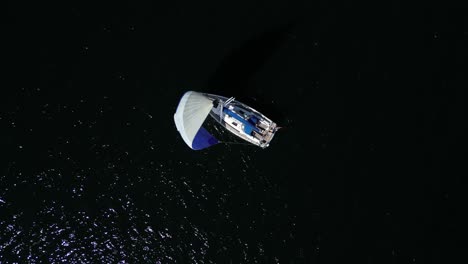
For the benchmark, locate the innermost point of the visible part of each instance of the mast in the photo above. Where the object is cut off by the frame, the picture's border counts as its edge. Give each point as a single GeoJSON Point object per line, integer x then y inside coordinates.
{"type": "Point", "coordinates": [228, 101]}
{"type": "Point", "coordinates": [220, 113]}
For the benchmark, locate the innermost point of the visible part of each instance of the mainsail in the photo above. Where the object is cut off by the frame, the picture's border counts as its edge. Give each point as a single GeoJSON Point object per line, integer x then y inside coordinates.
{"type": "Point", "coordinates": [191, 112]}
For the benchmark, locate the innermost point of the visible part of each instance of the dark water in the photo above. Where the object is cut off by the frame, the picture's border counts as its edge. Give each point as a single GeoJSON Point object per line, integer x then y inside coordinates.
{"type": "Point", "coordinates": [366, 169]}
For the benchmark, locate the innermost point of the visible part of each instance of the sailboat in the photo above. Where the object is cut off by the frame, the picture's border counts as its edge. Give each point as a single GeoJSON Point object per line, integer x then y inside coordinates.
{"type": "Point", "coordinates": [240, 119]}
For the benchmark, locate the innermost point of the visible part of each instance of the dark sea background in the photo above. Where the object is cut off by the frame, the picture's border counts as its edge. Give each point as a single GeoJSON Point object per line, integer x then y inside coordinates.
{"type": "Point", "coordinates": [366, 169]}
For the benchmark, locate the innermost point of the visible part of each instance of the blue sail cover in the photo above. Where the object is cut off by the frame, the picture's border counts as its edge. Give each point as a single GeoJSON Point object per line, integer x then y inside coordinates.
{"type": "Point", "coordinates": [248, 126]}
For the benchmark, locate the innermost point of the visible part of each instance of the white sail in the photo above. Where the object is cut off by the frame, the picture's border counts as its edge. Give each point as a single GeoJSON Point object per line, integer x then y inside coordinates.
{"type": "Point", "coordinates": [191, 112]}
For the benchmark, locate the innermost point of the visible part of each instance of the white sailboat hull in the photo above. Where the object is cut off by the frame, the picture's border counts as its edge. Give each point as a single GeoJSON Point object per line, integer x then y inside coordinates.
{"type": "Point", "coordinates": [242, 120]}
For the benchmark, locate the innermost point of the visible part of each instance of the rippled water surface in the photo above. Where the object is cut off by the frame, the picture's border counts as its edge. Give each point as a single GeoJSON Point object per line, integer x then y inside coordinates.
{"type": "Point", "coordinates": [93, 181]}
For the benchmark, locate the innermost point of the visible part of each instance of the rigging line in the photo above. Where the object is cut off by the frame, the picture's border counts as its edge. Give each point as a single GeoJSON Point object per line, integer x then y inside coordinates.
{"type": "Point", "coordinates": [235, 143]}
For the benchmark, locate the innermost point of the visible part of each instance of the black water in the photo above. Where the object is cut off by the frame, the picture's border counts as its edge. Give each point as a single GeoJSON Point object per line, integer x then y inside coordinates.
{"type": "Point", "coordinates": [365, 170]}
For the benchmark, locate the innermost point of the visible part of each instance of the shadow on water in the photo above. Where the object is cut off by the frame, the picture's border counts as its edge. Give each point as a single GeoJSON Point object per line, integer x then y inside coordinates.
{"type": "Point", "coordinates": [236, 70]}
